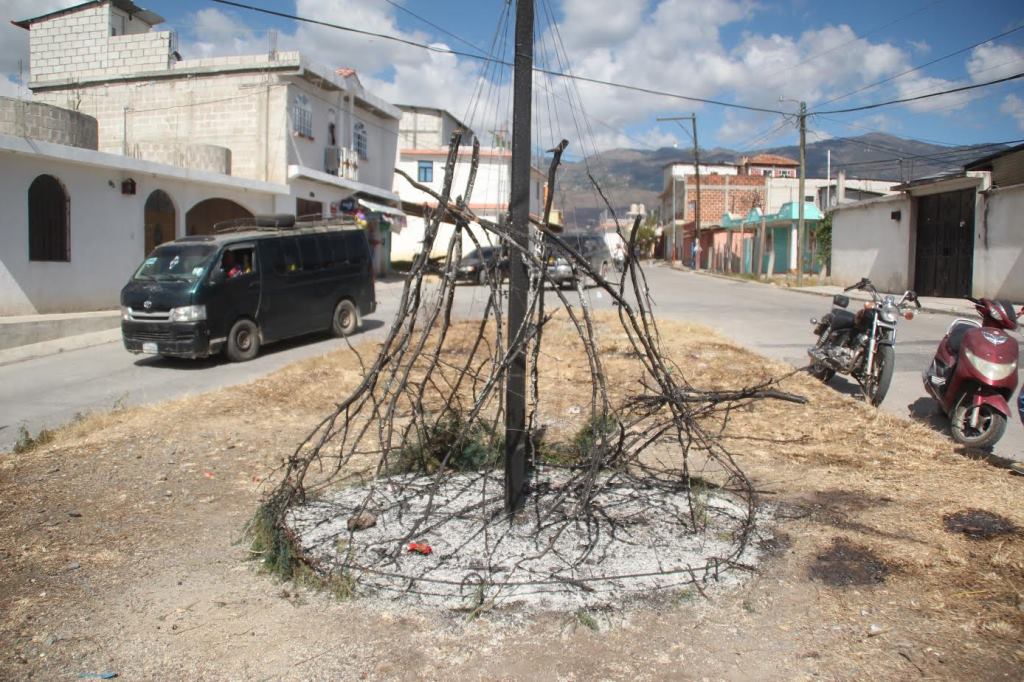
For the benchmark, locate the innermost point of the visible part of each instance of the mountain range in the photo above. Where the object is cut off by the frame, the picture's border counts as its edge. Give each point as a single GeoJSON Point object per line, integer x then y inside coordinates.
{"type": "Point", "coordinates": [635, 176]}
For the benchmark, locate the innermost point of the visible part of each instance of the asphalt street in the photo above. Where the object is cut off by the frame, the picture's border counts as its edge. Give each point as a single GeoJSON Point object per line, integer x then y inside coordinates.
{"type": "Point", "coordinates": [49, 391]}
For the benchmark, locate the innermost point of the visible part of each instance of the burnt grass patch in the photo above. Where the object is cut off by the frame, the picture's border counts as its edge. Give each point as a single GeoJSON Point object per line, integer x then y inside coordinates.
{"type": "Point", "coordinates": [979, 524]}
{"type": "Point", "coordinates": [846, 563]}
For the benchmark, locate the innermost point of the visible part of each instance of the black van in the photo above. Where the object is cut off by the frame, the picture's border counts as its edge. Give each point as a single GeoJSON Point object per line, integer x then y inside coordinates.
{"type": "Point", "coordinates": [253, 285]}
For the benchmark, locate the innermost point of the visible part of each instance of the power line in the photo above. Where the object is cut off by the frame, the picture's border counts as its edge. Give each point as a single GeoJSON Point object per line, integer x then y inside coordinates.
{"type": "Point", "coordinates": [903, 100]}
{"type": "Point", "coordinates": [951, 157]}
{"type": "Point", "coordinates": [468, 55]}
{"type": "Point", "coordinates": [922, 66]}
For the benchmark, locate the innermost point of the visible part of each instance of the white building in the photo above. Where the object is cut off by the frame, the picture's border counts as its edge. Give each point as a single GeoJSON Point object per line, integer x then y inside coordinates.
{"type": "Point", "coordinates": [127, 145]}
{"type": "Point", "coordinates": [951, 236]}
{"type": "Point", "coordinates": [77, 222]}
{"type": "Point", "coordinates": [425, 135]}
{"type": "Point", "coordinates": [281, 118]}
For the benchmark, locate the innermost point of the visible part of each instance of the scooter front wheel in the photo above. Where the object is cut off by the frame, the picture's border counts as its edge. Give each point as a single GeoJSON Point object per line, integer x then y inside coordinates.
{"type": "Point", "coordinates": [977, 427]}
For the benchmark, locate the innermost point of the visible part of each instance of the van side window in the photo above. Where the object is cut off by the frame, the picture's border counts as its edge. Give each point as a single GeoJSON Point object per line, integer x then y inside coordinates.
{"type": "Point", "coordinates": [311, 260]}
{"type": "Point", "coordinates": [356, 247]}
{"type": "Point", "coordinates": [336, 240]}
{"type": "Point", "coordinates": [283, 255]}
{"type": "Point", "coordinates": [236, 261]}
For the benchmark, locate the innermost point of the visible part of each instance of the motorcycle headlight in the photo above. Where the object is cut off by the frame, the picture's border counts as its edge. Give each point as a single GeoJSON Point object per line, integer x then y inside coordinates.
{"type": "Point", "coordinates": [188, 313]}
{"type": "Point", "coordinates": [888, 313]}
{"type": "Point", "coordinates": [994, 371]}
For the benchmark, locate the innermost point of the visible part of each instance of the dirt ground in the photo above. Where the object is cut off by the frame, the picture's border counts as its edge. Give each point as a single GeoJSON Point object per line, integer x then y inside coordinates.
{"type": "Point", "coordinates": [120, 552]}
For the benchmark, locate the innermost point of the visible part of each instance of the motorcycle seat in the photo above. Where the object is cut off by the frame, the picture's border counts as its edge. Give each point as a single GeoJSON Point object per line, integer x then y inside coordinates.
{"type": "Point", "coordinates": [956, 336]}
{"type": "Point", "coordinates": [841, 319]}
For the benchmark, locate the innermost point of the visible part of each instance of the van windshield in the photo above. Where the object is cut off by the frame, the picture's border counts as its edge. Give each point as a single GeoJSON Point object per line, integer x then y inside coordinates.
{"type": "Point", "coordinates": [176, 262]}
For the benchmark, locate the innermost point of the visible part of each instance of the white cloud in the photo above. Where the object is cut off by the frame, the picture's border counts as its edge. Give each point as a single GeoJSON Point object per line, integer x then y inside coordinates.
{"type": "Point", "coordinates": [990, 62]}
{"type": "Point", "coordinates": [920, 46]}
{"type": "Point", "coordinates": [9, 88]}
{"type": "Point", "coordinates": [216, 33]}
{"type": "Point", "coordinates": [924, 85]}
{"type": "Point", "coordinates": [1014, 106]}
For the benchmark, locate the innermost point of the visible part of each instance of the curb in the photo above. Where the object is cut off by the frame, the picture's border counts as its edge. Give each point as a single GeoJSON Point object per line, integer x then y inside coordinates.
{"type": "Point", "coordinates": [925, 307]}
{"type": "Point", "coordinates": [54, 346]}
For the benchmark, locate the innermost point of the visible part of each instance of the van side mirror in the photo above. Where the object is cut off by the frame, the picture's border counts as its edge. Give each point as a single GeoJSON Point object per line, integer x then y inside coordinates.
{"type": "Point", "coordinates": [218, 276]}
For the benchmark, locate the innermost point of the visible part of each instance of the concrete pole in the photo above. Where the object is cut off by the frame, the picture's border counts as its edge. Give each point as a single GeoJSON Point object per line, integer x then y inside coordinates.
{"type": "Point", "coordinates": [519, 204]}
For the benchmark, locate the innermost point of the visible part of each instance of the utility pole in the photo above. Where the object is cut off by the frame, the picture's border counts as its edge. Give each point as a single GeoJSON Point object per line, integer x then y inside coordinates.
{"type": "Point", "coordinates": [692, 118]}
{"type": "Point", "coordinates": [519, 206]}
{"type": "Point", "coordinates": [672, 228]}
{"type": "Point", "coordinates": [803, 178]}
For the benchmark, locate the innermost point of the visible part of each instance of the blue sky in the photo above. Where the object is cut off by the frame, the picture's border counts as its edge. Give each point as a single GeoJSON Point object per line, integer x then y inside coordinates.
{"type": "Point", "coordinates": [736, 51]}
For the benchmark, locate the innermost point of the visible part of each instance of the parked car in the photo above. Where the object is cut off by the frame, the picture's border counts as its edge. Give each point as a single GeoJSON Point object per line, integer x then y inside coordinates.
{"type": "Point", "coordinates": [237, 290]}
{"type": "Point", "coordinates": [560, 264]}
{"type": "Point", "coordinates": [481, 265]}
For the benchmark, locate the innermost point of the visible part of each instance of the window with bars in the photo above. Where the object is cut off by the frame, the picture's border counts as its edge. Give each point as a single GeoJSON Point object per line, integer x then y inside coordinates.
{"type": "Point", "coordinates": [302, 117]}
{"type": "Point", "coordinates": [359, 140]}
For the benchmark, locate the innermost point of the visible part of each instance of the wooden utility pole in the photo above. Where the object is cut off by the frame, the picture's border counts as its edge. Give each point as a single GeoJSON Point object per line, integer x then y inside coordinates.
{"type": "Point", "coordinates": [519, 206]}
{"type": "Point", "coordinates": [692, 118]}
{"type": "Point", "coordinates": [803, 177]}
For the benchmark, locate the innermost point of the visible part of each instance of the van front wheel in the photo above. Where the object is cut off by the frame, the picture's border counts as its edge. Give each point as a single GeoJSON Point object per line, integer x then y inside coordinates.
{"type": "Point", "coordinates": [346, 319]}
{"type": "Point", "coordinates": [243, 341]}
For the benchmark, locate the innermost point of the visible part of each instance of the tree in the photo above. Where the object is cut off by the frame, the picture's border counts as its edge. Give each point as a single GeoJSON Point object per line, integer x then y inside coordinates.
{"type": "Point", "coordinates": [823, 238]}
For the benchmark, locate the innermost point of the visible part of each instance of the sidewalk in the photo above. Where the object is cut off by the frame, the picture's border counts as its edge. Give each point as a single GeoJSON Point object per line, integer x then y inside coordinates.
{"type": "Point", "coordinates": [944, 306]}
{"type": "Point", "coordinates": [31, 336]}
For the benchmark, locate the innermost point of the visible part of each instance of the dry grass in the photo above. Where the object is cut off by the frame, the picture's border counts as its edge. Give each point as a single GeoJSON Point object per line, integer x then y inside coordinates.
{"type": "Point", "coordinates": [834, 468]}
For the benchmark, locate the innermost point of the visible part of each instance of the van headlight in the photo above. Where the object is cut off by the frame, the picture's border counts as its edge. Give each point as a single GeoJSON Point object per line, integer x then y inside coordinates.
{"type": "Point", "coordinates": [126, 313]}
{"type": "Point", "coordinates": [188, 313]}
{"type": "Point", "coordinates": [995, 371]}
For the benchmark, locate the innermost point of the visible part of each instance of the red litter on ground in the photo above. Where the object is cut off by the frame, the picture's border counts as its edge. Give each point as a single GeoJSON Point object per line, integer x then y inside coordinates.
{"type": "Point", "coordinates": [420, 548]}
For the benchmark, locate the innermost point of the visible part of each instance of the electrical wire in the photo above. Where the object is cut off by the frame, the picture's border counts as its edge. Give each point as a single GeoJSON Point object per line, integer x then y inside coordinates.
{"type": "Point", "coordinates": [903, 100]}
{"type": "Point", "coordinates": [922, 66]}
{"type": "Point", "coordinates": [469, 55]}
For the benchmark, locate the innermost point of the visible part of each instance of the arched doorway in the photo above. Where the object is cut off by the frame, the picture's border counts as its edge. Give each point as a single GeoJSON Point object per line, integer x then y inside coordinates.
{"type": "Point", "coordinates": [48, 238]}
{"type": "Point", "coordinates": [160, 220]}
{"type": "Point", "coordinates": [203, 216]}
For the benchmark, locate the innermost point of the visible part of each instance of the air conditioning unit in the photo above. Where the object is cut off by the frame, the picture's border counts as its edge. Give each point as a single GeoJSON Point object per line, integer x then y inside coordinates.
{"type": "Point", "coordinates": [349, 168]}
{"type": "Point", "coordinates": [332, 160]}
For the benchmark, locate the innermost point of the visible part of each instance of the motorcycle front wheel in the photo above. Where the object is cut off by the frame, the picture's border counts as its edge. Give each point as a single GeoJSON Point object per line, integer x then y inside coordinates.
{"type": "Point", "coordinates": [819, 371]}
{"type": "Point", "coordinates": [877, 383]}
{"type": "Point", "coordinates": [991, 423]}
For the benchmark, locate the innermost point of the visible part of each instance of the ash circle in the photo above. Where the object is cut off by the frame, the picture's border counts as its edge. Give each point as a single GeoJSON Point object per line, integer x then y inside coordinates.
{"type": "Point", "coordinates": [635, 540]}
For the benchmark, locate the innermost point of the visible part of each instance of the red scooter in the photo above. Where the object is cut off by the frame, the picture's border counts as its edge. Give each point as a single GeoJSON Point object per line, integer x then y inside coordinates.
{"type": "Point", "coordinates": [974, 373]}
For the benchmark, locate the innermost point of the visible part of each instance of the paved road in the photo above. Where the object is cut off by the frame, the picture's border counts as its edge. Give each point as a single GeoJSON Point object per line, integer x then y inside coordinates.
{"type": "Point", "coordinates": [49, 391]}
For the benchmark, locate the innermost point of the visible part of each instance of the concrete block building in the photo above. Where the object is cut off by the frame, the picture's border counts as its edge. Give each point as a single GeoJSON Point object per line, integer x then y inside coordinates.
{"type": "Point", "coordinates": [282, 118]}
{"type": "Point", "coordinates": [127, 145]}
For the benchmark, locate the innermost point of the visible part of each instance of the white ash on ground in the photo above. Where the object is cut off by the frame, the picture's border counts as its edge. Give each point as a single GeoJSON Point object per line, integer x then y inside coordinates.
{"type": "Point", "coordinates": [632, 544]}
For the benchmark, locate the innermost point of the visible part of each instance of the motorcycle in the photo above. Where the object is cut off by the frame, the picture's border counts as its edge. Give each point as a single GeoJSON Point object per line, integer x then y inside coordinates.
{"type": "Point", "coordinates": [974, 373]}
{"type": "Point", "coordinates": [860, 344]}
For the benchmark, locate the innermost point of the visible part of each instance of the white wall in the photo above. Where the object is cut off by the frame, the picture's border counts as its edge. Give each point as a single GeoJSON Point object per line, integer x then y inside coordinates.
{"type": "Point", "coordinates": [490, 191]}
{"type": "Point", "coordinates": [999, 245]}
{"type": "Point", "coordinates": [408, 243]}
{"type": "Point", "coordinates": [867, 242]}
{"type": "Point", "coordinates": [106, 232]}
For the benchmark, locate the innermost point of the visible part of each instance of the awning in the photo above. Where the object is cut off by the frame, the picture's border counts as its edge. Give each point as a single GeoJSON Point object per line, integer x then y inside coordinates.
{"type": "Point", "coordinates": [381, 208]}
{"type": "Point", "coordinates": [395, 215]}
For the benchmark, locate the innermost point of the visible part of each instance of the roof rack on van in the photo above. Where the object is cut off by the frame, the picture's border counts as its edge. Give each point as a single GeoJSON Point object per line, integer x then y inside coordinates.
{"type": "Point", "coordinates": [277, 221]}
{"type": "Point", "coordinates": [282, 221]}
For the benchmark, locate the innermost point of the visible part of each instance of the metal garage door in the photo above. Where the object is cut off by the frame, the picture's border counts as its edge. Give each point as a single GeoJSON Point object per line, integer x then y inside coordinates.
{"type": "Point", "coordinates": [945, 244]}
